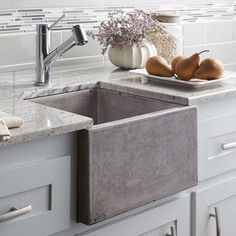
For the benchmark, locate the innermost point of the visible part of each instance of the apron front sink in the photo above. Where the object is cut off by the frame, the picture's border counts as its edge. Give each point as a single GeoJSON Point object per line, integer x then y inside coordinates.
{"type": "Point", "coordinates": [138, 150]}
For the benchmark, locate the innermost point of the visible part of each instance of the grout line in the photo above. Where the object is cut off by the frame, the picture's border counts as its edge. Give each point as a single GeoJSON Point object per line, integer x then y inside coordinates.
{"type": "Point", "coordinates": [210, 44]}
{"type": "Point", "coordinates": [230, 64]}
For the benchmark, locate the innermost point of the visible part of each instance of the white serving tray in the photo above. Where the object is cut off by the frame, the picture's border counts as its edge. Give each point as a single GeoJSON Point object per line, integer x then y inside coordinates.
{"type": "Point", "coordinates": [193, 83]}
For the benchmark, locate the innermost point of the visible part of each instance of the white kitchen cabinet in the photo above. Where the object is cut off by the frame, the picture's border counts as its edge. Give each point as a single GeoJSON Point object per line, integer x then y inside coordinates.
{"type": "Point", "coordinates": [35, 185]}
{"type": "Point", "coordinates": [216, 129]}
{"type": "Point", "coordinates": [217, 145]}
{"type": "Point", "coordinates": [34, 198]}
{"type": "Point", "coordinates": [153, 222]}
{"type": "Point", "coordinates": [220, 196]}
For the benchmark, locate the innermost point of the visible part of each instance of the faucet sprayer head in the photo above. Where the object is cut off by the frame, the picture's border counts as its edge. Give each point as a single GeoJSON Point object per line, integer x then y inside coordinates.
{"type": "Point", "coordinates": [79, 34]}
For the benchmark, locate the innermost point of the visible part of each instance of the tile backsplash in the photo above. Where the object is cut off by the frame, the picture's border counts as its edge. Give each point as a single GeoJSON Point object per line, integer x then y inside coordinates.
{"type": "Point", "coordinates": [207, 25]}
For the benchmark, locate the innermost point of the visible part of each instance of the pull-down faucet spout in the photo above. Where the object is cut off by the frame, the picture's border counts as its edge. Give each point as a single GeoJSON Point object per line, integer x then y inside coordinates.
{"type": "Point", "coordinates": [44, 58]}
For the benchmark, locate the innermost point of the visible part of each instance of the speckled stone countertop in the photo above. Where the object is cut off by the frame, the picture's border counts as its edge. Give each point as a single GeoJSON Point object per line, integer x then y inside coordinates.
{"type": "Point", "coordinates": [16, 87]}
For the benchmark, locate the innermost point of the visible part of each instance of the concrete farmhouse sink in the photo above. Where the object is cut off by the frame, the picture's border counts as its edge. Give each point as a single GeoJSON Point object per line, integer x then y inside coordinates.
{"type": "Point", "coordinates": [138, 150]}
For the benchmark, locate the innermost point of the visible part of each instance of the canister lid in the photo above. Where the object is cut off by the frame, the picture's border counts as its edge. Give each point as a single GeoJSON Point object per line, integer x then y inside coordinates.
{"type": "Point", "coordinates": [167, 18]}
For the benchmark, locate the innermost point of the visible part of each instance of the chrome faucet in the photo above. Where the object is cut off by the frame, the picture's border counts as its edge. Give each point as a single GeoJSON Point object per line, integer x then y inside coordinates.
{"type": "Point", "coordinates": [44, 58]}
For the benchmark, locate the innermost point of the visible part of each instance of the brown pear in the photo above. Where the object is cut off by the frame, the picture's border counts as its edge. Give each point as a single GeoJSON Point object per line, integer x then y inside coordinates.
{"type": "Point", "coordinates": [210, 69]}
{"type": "Point", "coordinates": [158, 65]}
{"type": "Point", "coordinates": [175, 60]}
{"type": "Point", "coordinates": [186, 67]}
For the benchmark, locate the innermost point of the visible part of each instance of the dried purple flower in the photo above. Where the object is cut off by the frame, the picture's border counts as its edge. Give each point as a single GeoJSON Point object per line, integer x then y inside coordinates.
{"type": "Point", "coordinates": [126, 29]}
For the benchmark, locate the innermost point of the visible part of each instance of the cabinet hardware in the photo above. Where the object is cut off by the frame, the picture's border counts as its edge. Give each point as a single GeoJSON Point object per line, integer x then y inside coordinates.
{"type": "Point", "coordinates": [172, 230]}
{"type": "Point", "coordinates": [217, 218]}
{"type": "Point", "coordinates": [226, 146]}
{"type": "Point", "coordinates": [14, 212]}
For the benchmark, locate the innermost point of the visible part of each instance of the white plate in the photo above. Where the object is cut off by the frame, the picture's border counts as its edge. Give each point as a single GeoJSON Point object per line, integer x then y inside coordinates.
{"type": "Point", "coordinates": [193, 83]}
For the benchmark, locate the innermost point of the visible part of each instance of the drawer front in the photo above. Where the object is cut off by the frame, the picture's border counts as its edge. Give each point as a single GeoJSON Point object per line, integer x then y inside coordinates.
{"type": "Point", "coordinates": [217, 145]}
{"type": "Point", "coordinates": [214, 207]}
{"type": "Point", "coordinates": [133, 162]}
{"type": "Point", "coordinates": [34, 199]}
{"type": "Point", "coordinates": [157, 221]}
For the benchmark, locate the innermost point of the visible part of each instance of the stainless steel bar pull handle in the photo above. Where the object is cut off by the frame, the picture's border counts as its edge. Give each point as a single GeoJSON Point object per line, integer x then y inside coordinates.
{"type": "Point", "coordinates": [217, 218]}
{"type": "Point", "coordinates": [172, 230]}
{"type": "Point", "coordinates": [226, 146]}
{"type": "Point", "coordinates": [14, 212]}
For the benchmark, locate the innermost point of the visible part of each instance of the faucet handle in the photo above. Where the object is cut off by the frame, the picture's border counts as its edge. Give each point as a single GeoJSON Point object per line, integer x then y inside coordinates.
{"type": "Point", "coordinates": [59, 19]}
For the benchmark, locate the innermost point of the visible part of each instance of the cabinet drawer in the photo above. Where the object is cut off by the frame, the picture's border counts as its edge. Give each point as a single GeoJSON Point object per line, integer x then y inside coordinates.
{"type": "Point", "coordinates": [156, 221]}
{"type": "Point", "coordinates": [217, 145]}
{"type": "Point", "coordinates": [34, 199]}
{"type": "Point", "coordinates": [213, 206]}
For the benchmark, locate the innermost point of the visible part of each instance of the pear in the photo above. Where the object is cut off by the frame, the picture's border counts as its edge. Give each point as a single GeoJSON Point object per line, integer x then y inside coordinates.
{"type": "Point", "coordinates": [210, 69]}
{"type": "Point", "coordinates": [175, 60]}
{"type": "Point", "coordinates": [186, 67]}
{"type": "Point", "coordinates": [158, 65]}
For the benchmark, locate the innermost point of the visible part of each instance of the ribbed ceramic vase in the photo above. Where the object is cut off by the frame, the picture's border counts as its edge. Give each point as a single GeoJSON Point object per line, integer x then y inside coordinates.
{"type": "Point", "coordinates": [131, 57]}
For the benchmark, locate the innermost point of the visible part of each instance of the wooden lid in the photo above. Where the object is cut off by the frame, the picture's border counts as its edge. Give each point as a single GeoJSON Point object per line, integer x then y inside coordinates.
{"type": "Point", "coordinates": [167, 18]}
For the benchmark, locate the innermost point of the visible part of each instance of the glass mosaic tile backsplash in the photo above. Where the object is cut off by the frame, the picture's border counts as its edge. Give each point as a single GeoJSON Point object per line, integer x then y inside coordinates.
{"type": "Point", "coordinates": [24, 20]}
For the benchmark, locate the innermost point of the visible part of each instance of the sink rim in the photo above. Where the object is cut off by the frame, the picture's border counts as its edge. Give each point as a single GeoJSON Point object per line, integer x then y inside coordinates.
{"type": "Point", "coordinates": [94, 125]}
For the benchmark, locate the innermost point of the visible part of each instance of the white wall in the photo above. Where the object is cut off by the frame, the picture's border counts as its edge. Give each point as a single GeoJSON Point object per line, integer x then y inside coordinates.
{"type": "Point", "coordinates": [208, 30]}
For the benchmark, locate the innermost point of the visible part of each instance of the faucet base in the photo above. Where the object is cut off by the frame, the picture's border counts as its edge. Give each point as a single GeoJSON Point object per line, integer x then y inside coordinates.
{"type": "Point", "coordinates": [37, 83]}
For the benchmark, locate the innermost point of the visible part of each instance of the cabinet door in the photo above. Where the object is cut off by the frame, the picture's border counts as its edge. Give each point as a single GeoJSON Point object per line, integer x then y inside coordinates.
{"type": "Point", "coordinates": [216, 145]}
{"type": "Point", "coordinates": [153, 222]}
{"type": "Point", "coordinates": [34, 198]}
{"type": "Point", "coordinates": [216, 137]}
{"type": "Point", "coordinates": [214, 207]}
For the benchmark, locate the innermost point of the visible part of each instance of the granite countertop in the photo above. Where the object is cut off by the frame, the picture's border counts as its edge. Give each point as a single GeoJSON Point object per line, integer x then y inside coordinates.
{"type": "Point", "coordinates": [16, 87]}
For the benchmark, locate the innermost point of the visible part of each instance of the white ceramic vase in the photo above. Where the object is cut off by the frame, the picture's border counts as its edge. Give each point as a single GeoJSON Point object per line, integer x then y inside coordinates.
{"type": "Point", "coordinates": [132, 57]}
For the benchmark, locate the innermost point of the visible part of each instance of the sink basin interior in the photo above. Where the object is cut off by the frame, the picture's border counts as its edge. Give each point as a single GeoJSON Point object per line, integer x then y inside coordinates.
{"type": "Point", "coordinates": [104, 105]}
